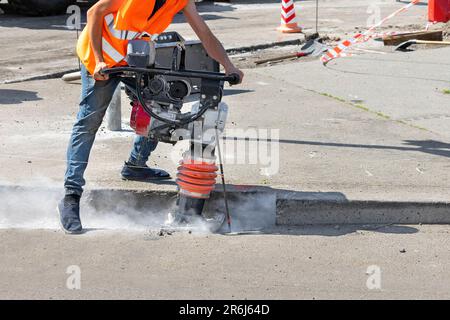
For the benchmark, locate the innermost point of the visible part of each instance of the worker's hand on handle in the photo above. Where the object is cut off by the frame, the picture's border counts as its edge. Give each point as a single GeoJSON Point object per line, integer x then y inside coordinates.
{"type": "Point", "coordinates": [98, 75]}
{"type": "Point", "coordinates": [233, 70]}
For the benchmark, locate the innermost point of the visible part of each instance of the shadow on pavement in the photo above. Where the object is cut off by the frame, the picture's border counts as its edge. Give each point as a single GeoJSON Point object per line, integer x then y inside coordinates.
{"type": "Point", "coordinates": [233, 92]}
{"type": "Point", "coordinates": [9, 96]}
{"type": "Point", "coordinates": [336, 231]}
{"type": "Point", "coordinates": [433, 147]}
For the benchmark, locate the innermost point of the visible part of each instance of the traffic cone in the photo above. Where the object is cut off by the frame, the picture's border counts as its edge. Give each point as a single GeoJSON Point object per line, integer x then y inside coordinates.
{"type": "Point", "coordinates": [288, 18]}
{"type": "Point", "coordinates": [438, 10]}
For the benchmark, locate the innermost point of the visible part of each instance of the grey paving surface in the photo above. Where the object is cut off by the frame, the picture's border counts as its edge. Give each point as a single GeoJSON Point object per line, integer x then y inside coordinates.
{"type": "Point", "coordinates": [301, 263]}
{"type": "Point", "coordinates": [406, 87]}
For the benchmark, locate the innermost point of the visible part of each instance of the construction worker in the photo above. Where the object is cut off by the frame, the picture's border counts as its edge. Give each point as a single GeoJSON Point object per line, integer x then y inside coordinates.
{"type": "Point", "coordinates": [102, 44]}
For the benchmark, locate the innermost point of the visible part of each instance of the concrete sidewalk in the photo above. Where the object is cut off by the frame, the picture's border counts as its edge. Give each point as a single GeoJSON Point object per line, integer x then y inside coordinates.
{"type": "Point", "coordinates": [408, 87]}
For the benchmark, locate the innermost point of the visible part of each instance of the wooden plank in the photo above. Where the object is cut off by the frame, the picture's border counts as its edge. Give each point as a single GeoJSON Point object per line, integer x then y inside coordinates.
{"type": "Point", "coordinates": [394, 40]}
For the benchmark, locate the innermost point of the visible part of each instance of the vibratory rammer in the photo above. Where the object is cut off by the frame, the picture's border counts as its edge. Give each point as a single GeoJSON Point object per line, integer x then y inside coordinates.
{"type": "Point", "coordinates": [158, 96]}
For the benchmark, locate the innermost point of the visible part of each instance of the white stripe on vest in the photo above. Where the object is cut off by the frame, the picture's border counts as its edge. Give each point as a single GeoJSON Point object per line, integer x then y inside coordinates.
{"type": "Point", "coordinates": [119, 34]}
{"type": "Point", "coordinates": [110, 51]}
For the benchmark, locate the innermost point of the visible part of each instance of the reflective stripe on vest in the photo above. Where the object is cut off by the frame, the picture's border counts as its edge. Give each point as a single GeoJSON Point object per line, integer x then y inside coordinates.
{"type": "Point", "coordinates": [119, 34]}
{"type": "Point", "coordinates": [111, 52]}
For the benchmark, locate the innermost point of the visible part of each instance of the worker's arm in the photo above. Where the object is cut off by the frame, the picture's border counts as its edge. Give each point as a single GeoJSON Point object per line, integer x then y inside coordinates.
{"type": "Point", "coordinates": [210, 42]}
{"type": "Point", "coordinates": [95, 16]}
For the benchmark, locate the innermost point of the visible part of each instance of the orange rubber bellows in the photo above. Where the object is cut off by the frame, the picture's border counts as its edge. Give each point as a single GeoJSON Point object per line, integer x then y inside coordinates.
{"type": "Point", "coordinates": [196, 179]}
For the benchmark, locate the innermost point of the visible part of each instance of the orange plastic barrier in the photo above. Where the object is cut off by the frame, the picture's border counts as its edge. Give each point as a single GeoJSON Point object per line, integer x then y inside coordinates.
{"type": "Point", "coordinates": [438, 10]}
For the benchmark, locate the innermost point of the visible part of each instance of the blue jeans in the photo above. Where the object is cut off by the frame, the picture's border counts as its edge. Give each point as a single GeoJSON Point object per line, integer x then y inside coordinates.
{"type": "Point", "coordinates": [95, 98]}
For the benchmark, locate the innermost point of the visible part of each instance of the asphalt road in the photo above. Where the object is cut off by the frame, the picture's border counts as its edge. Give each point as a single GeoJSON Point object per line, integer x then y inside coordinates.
{"type": "Point", "coordinates": [392, 262]}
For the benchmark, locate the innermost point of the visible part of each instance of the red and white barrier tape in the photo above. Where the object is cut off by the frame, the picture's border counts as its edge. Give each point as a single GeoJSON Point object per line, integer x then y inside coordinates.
{"type": "Point", "coordinates": [338, 51]}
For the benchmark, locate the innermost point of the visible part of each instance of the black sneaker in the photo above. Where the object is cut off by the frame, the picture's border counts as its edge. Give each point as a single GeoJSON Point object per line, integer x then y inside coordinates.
{"type": "Point", "coordinates": [143, 173]}
{"type": "Point", "coordinates": [69, 214]}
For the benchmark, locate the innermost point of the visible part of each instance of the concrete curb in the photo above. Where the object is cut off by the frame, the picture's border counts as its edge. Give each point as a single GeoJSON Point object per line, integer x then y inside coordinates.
{"type": "Point", "coordinates": [257, 207]}
{"type": "Point", "coordinates": [51, 75]}
{"type": "Point", "coordinates": [318, 212]}
{"type": "Point", "coordinates": [271, 45]}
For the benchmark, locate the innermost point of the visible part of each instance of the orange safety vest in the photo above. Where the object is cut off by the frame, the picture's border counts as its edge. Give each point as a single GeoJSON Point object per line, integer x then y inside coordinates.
{"type": "Point", "coordinates": [129, 22]}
